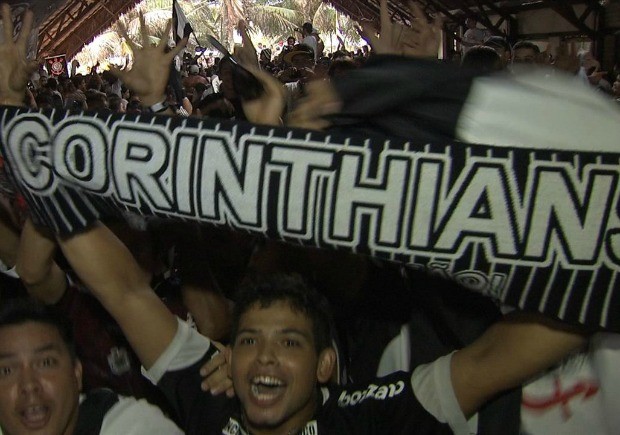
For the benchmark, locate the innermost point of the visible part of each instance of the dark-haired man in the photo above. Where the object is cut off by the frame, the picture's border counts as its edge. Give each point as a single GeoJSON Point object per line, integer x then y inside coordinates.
{"type": "Point", "coordinates": [525, 52]}
{"type": "Point", "coordinates": [308, 37]}
{"type": "Point", "coordinates": [280, 358]}
{"type": "Point", "coordinates": [41, 379]}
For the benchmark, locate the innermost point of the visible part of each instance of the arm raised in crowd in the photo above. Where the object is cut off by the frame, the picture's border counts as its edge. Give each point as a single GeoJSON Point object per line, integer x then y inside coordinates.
{"type": "Point", "coordinates": [15, 69]}
{"type": "Point", "coordinates": [36, 267]}
{"type": "Point", "coordinates": [107, 268]}
{"type": "Point", "coordinates": [9, 242]}
{"type": "Point", "coordinates": [393, 41]}
{"type": "Point", "coordinates": [149, 73]}
{"type": "Point", "coordinates": [420, 39]}
{"type": "Point", "coordinates": [507, 354]}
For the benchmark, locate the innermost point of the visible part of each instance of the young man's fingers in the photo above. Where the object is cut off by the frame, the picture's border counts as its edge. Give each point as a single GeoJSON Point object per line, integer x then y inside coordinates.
{"type": "Point", "coordinates": [416, 10]}
{"type": "Point", "coordinates": [123, 30]}
{"type": "Point", "coordinates": [438, 23]}
{"type": "Point", "coordinates": [7, 22]}
{"type": "Point", "coordinates": [144, 31]}
{"type": "Point", "coordinates": [163, 42]}
{"type": "Point", "coordinates": [24, 34]}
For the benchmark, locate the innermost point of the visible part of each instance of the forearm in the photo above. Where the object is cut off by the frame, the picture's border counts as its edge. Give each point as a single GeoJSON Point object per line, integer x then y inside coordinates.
{"type": "Point", "coordinates": [103, 263]}
{"type": "Point", "coordinates": [509, 353]}
{"type": "Point", "coordinates": [36, 267]}
{"type": "Point", "coordinates": [109, 270]}
{"type": "Point", "coordinates": [9, 244]}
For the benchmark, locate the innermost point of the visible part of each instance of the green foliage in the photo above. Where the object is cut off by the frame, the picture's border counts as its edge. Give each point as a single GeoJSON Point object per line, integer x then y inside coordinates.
{"type": "Point", "coordinates": [269, 20]}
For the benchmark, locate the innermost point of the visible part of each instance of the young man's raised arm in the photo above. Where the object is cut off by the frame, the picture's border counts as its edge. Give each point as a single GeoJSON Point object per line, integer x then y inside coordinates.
{"type": "Point", "coordinates": [507, 354]}
{"type": "Point", "coordinates": [36, 267]}
{"type": "Point", "coordinates": [107, 268]}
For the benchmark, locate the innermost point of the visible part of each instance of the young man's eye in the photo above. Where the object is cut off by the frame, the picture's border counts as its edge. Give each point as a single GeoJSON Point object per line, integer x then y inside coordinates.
{"type": "Point", "coordinates": [47, 362]}
{"type": "Point", "coordinates": [5, 371]}
{"type": "Point", "coordinates": [248, 341]}
{"type": "Point", "coordinates": [289, 342]}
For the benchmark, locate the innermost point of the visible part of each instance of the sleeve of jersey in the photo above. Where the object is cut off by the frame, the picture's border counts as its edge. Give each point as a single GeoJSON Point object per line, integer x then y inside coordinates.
{"type": "Point", "coordinates": [186, 349]}
{"type": "Point", "coordinates": [137, 417]}
{"type": "Point", "coordinates": [177, 373]}
{"type": "Point", "coordinates": [433, 388]}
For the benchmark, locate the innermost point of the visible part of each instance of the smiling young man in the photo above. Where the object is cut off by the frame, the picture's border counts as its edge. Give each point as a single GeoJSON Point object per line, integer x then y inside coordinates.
{"type": "Point", "coordinates": [281, 357]}
{"type": "Point", "coordinates": [41, 380]}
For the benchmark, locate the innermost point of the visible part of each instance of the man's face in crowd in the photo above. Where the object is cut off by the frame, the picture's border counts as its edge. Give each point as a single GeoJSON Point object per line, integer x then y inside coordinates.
{"type": "Point", "coordinates": [524, 55]}
{"type": "Point", "coordinates": [39, 381]}
{"type": "Point", "coordinates": [275, 368]}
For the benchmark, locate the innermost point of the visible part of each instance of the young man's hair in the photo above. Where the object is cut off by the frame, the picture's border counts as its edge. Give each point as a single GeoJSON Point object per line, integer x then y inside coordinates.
{"type": "Point", "coordinates": [307, 27]}
{"type": "Point", "coordinates": [482, 58]}
{"type": "Point", "coordinates": [498, 42]}
{"type": "Point", "coordinates": [19, 311]}
{"type": "Point", "coordinates": [292, 289]}
{"type": "Point", "coordinates": [526, 44]}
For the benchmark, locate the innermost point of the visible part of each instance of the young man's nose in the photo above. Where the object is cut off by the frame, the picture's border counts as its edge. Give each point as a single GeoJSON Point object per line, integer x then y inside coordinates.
{"type": "Point", "coordinates": [266, 353]}
{"type": "Point", "coordinates": [29, 380]}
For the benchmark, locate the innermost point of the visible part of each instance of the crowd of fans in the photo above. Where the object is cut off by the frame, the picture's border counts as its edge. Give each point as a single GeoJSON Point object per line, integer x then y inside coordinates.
{"type": "Point", "coordinates": [207, 91]}
{"type": "Point", "coordinates": [195, 270]}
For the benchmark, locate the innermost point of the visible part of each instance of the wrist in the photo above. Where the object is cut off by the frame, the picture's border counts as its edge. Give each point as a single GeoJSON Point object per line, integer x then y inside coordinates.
{"type": "Point", "coordinates": [13, 100]}
{"type": "Point", "coordinates": [160, 107]}
{"type": "Point", "coordinates": [151, 100]}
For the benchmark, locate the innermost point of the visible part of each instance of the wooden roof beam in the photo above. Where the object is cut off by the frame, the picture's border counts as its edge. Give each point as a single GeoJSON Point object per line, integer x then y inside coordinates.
{"type": "Point", "coordinates": [568, 13]}
{"type": "Point", "coordinates": [470, 14]}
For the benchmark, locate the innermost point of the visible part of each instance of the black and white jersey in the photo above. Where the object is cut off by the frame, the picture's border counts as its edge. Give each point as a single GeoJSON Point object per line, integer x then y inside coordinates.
{"type": "Point", "coordinates": [402, 403]}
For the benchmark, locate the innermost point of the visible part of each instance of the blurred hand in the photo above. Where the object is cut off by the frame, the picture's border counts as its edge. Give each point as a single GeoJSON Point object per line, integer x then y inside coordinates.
{"type": "Point", "coordinates": [149, 74]}
{"type": "Point", "coordinates": [321, 99]}
{"type": "Point", "coordinates": [246, 54]}
{"type": "Point", "coordinates": [421, 39]}
{"type": "Point", "coordinates": [15, 69]}
{"type": "Point", "coordinates": [266, 109]}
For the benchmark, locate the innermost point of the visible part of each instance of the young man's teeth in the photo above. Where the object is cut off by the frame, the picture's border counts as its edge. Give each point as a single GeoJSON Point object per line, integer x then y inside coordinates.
{"type": "Point", "coordinates": [268, 381]}
{"type": "Point", "coordinates": [35, 412]}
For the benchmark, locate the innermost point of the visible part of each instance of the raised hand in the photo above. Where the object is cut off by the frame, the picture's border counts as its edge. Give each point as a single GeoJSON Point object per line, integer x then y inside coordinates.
{"type": "Point", "coordinates": [321, 99]}
{"type": "Point", "coordinates": [148, 77]}
{"type": "Point", "coordinates": [246, 54]}
{"type": "Point", "coordinates": [421, 39]}
{"type": "Point", "coordinates": [266, 109]}
{"type": "Point", "coordinates": [15, 69]}
{"type": "Point", "coordinates": [216, 374]}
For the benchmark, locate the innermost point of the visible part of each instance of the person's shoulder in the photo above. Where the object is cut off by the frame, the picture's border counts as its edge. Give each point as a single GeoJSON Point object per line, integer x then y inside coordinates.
{"type": "Point", "coordinates": [137, 416]}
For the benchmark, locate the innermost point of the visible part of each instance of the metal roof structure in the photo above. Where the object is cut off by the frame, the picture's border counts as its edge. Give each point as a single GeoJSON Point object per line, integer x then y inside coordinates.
{"type": "Point", "coordinates": [491, 14]}
{"type": "Point", "coordinates": [65, 26]}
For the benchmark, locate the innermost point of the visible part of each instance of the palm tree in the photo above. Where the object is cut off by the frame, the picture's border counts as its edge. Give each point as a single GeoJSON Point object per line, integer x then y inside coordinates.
{"type": "Point", "coordinates": [273, 20]}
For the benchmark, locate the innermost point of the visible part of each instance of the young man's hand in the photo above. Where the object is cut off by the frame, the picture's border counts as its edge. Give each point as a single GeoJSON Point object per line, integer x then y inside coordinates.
{"type": "Point", "coordinates": [266, 109]}
{"type": "Point", "coordinates": [15, 69]}
{"type": "Point", "coordinates": [216, 374]}
{"type": "Point", "coordinates": [421, 39]}
{"type": "Point", "coordinates": [149, 74]}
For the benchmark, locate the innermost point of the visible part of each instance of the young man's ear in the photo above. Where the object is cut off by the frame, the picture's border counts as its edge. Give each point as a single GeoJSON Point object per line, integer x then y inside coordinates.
{"type": "Point", "coordinates": [77, 371]}
{"type": "Point", "coordinates": [326, 365]}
